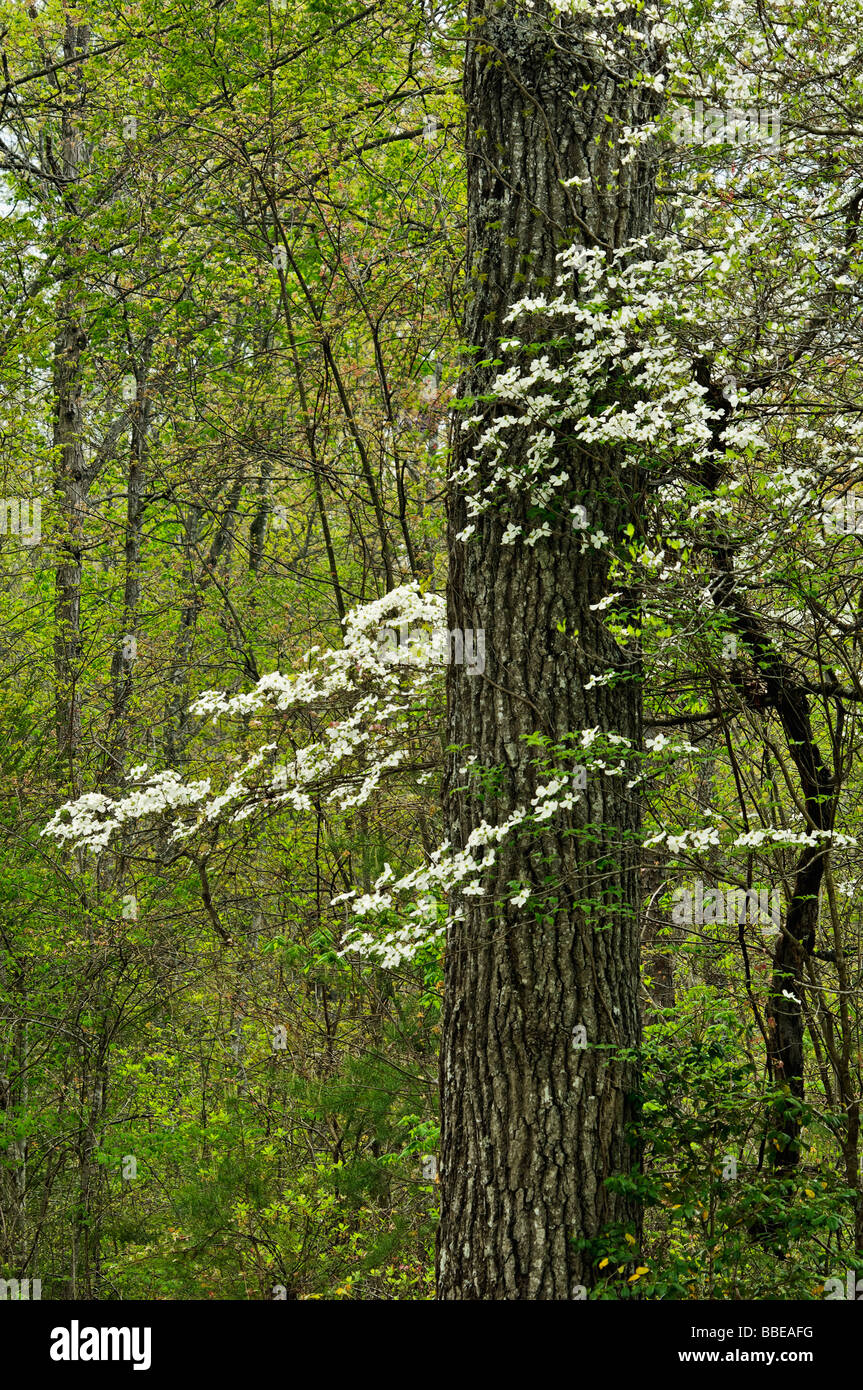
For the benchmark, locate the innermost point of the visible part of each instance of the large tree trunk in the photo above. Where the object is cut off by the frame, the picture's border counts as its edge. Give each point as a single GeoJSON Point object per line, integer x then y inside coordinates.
{"type": "Point", "coordinates": [533, 1125]}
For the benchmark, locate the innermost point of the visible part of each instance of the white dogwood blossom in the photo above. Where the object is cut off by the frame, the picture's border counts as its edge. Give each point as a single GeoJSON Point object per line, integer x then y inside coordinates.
{"type": "Point", "coordinates": [346, 763]}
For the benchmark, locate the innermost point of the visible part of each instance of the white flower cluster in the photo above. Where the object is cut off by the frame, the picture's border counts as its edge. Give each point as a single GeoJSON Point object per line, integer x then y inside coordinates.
{"type": "Point", "coordinates": [697, 840]}
{"type": "Point", "coordinates": [452, 872]}
{"type": "Point", "coordinates": [346, 763]}
{"type": "Point", "coordinates": [619, 326]}
{"type": "Point", "coordinates": [94, 818]}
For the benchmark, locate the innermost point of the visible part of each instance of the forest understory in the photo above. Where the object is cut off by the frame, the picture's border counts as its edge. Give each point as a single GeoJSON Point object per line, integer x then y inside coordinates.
{"type": "Point", "coordinates": [431, 649]}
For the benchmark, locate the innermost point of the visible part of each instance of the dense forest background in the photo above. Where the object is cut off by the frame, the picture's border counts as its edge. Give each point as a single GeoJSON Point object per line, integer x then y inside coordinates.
{"type": "Point", "coordinates": [234, 276]}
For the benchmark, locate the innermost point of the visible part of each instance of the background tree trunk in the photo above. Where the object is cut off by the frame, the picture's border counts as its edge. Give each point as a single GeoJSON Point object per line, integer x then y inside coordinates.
{"type": "Point", "coordinates": [71, 483]}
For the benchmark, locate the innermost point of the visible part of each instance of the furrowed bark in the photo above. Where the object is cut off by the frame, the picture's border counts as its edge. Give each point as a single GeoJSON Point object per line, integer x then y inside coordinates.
{"type": "Point", "coordinates": [531, 1126]}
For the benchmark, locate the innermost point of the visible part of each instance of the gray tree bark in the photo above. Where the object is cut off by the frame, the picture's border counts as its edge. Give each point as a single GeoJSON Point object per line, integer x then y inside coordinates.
{"type": "Point", "coordinates": [532, 1126]}
{"type": "Point", "coordinates": [71, 483]}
